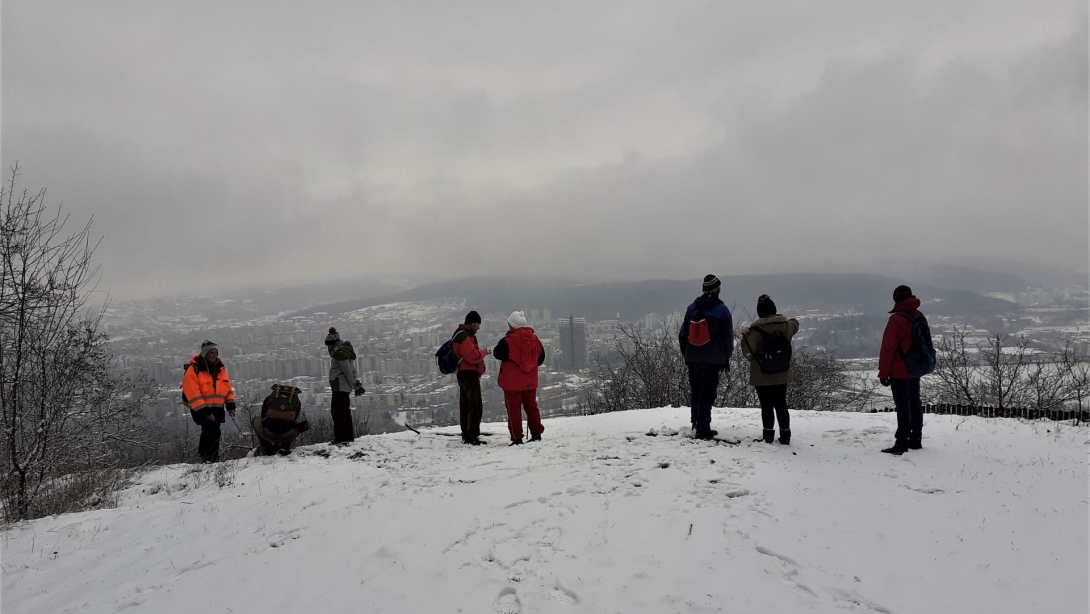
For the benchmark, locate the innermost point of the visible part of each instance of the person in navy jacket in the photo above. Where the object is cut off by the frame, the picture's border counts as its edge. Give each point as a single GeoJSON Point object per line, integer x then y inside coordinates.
{"type": "Point", "coordinates": [706, 358]}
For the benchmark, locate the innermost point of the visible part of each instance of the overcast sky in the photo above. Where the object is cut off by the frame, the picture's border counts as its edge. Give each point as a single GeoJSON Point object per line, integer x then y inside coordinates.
{"type": "Point", "coordinates": [233, 143]}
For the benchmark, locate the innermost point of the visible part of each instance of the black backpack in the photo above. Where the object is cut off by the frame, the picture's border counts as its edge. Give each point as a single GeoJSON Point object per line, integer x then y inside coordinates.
{"type": "Point", "coordinates": [775, 353]}
{"type": "Point", "coordinates": [445, 358]}
{"type": "Point", "coordinates": [920, 358]}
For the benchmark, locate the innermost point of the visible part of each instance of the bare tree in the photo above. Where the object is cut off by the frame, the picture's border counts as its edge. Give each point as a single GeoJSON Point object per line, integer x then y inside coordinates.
{"type": "Point", "coordinates": [61, 408]}
{"type": "Point", "coordinates": [956, 378]}
{"type": "Point", "coordinates": [1004, 370]}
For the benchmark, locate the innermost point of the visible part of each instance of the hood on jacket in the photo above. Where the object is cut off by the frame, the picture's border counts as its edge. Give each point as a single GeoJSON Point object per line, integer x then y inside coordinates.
{"type": "Point", "coordinates": [772, 324]}
{"type": "Point", "coordinates": [521, 348]}
{"type": "Point", "coordinates": [200, 363]}
{"type": "Point", "coordinates": [910, 304]}
{"type": "Point", "coordinates": [705, 302]}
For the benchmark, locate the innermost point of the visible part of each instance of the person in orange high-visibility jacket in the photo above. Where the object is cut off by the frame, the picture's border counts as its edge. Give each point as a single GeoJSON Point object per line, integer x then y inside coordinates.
{"type": "Point", "coordinates": [207, 392]}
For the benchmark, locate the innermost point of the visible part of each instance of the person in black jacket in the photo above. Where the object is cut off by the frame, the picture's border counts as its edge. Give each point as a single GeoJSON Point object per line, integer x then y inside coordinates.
{"type": "Point", "coordinates": [707, 341]}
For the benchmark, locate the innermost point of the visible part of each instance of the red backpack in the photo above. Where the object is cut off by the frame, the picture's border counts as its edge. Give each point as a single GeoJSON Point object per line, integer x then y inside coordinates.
{"type": "Point", "coordinates": [699, 334]}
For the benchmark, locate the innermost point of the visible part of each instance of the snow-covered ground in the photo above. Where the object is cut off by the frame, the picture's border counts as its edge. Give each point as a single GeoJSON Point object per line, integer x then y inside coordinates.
{"type": "Point", "coordinates": [599, 517]}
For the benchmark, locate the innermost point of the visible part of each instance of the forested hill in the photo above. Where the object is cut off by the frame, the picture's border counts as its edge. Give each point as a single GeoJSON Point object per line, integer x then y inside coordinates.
{"type": "Point", "coordinates": [795, 293]}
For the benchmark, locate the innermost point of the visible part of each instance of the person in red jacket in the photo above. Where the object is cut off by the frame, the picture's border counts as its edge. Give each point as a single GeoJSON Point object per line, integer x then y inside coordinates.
{"type": "Point", "coordinates": [520, 353]}
{"type": "Point", "coordinates": [892, 372]}
{"type": "Point", "coordinates": [470, 369]}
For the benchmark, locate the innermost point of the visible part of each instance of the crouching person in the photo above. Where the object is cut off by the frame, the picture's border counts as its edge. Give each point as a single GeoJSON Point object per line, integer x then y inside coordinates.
{"type": "Point", "coordinates": [281, 421]}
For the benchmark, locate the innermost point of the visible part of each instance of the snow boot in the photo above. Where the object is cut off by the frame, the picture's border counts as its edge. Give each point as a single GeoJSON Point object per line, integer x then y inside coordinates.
{"type": "Point", "coordinates": [767, 435]}
{"type": "Point", "coordinates": [894, 451]}
{"type": "Point", "coordinates": [915, 445]}
{"type": "Point", "coordinates": [515, 442]}
{"type": "Point", "coordinates": [535, 437]}
{"type": "Point", "coordinates": [785, 437]}
{"type": "Point", "coordinates": [708, 435]}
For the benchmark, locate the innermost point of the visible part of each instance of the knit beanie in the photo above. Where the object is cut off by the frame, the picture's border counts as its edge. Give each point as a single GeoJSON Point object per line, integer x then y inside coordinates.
{"type": "Point", "coordinates": [901, 293]}
{"type": "Point", "coordinates": [517, 320]}
{"type": "Point", "coordinates": [333, 337]}
{"type": "Point", "coordinates": [473, 318]}
{"type": "Point", "coordinates": [207, 347]}
{"type": "Point", "coordinates": [765, 306]}
{"type": "Point", "coordinates": [711, 282]}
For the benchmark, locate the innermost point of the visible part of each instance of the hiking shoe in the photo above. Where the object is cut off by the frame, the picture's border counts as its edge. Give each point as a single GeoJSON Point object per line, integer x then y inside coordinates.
{"type": "Point", "coordinates": [894, 451]}
{"type": "Point", "coordinates": [515, 442]}
{"type": "Point", "coordinates": [536, 437]}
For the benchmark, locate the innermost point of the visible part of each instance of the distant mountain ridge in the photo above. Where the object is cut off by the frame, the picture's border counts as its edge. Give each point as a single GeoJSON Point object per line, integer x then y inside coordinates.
{"type": "Point", "coordinates": [793, 292]}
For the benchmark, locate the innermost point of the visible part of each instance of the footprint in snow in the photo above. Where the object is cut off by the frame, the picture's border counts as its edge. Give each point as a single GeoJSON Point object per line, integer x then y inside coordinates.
{"type": "Point", "coordinates": [507, 602]}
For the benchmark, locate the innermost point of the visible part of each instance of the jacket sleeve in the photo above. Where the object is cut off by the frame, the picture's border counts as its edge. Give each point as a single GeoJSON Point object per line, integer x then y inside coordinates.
{"type": "Point", "coordinates": [541, 355]}
{"type": "Point", "coordinates": [230, 387]}
{"type": "Point", "coordinates": [190, 388]}
{"type": "Point", "coordinates": [683, 332]}
{"type": "Point", "coordinates": [890, 340]}
{"type": "Point", "coordinates": [469, 352]}
{"type": "Point", "coordinates": [792, 327]}
{"type": "Point", "coordinates": [744, 343]}
{"type": "Point", "coordinates": [348, 369]}
{"type": "Point", "coordinates": [728, 331]}
{"type": "Point", "coordinates": [500, 352]}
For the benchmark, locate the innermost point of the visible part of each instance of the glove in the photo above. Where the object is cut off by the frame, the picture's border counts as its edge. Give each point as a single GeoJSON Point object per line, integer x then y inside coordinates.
{"type": "Point", "coordinates": [360, 391]}
{"type": "Point", "coordinates": [884, 381]}
{"type": "Point", "coordinates": [231, 407]}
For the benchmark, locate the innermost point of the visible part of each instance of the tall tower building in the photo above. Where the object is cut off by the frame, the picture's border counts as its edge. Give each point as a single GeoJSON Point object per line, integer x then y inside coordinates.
{"type": "Point", "coordinates": [573, 342]}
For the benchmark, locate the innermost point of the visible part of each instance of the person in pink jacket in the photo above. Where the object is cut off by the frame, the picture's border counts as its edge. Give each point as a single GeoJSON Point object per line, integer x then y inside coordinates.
{"type": "Point", "coordinates": [520, 354]}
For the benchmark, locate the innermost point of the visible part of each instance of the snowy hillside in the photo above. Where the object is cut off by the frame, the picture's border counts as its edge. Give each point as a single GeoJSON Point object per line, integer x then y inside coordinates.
{"type": "Point", "coordinates": [600, 517]}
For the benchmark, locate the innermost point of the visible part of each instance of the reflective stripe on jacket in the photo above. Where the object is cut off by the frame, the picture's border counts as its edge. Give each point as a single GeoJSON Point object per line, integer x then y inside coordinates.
{"type": "Point", "coordinates": [199, 388]}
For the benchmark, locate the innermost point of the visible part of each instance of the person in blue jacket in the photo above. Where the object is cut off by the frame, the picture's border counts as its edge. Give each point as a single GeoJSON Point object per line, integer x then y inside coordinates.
{"type": "Point", "coordinates": [707, 341]}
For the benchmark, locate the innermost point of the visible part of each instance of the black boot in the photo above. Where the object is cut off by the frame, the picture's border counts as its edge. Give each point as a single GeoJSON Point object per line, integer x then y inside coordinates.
{"type": "Point", "coordinates": [535, 437]}
{"type": "Point", "coordinates": [894, 451]}
{"type": "Point", "coordinates": [785, 437]}
{"type": "Point", "coordinates": [767, 435]}
{"type": "Point", "coordinates": [515, 442]}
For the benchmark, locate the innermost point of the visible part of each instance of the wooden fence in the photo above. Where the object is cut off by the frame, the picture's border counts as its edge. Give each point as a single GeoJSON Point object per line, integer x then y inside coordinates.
{"type": "Point", "coordinates": [1005, 412]}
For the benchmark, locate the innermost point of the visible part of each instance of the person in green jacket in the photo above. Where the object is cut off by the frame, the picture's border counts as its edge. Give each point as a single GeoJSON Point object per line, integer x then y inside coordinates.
{"type": "Point", "coordinates": [342, 380]}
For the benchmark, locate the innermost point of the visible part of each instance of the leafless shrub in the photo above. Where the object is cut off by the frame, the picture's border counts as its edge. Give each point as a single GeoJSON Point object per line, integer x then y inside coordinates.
{"type": "Point", "coordinates": [60, 405]}
{"type": "Point", "coordinates": [649, 371]}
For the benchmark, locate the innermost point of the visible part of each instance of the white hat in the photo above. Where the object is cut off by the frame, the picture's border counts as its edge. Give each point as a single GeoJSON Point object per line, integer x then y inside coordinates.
{"type": "Point", "coordinates": [517, 320]}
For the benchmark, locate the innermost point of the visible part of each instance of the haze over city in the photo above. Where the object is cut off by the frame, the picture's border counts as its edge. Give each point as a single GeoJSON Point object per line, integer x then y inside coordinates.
{"type": "Point", "coordinates": [253, 143]}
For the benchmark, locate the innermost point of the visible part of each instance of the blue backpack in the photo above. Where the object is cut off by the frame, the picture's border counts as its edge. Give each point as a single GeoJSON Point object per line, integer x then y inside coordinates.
{"type": "Point", "coordinates": [445, 358]}
{"type": "Point", "coordinates": [920, 357]}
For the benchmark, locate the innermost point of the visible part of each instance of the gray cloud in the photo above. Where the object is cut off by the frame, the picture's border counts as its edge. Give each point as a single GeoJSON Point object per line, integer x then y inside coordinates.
{"type": "Point", "coordinates": [236, 144]}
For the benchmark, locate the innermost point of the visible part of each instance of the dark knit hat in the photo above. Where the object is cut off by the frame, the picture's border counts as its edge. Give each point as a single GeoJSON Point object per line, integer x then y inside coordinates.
{"type": "Point", "coordinates": [901, 293]}
{"type": "Point", "coordinates": [765, 306]}
{"type": "Point", "coordinates": [207, 347]}
{"type": "Point", "coordinates": [711, 282]}
{"type": "Point", "coordinates": [473, 318]}
{"type": "Point", "coordinates": [333, 337]}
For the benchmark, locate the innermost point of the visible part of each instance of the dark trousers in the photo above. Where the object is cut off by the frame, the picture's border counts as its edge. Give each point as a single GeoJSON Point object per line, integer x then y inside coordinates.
{"type": "Point", "coordinates": [906, 397]}
{"type": "Point", "coordinates": [515, 401]}
{"type": "Point", "coordinates": [774, 406]}
{"type": "Point", "coordinates": [340, 410]}
{"type": "Point", "coordinates": [703, 383]}
{"type": "Point", "coordinates": [209, 419]}
{"type": "Point", "coordinates": [471, 405]}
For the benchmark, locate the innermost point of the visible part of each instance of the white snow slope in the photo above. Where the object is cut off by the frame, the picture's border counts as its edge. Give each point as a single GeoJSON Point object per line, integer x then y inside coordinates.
{"type": "Point", "coordinates": [599, 517]}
